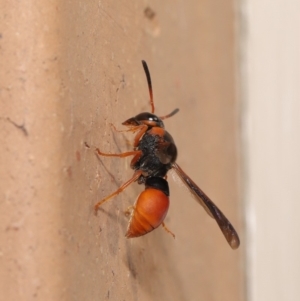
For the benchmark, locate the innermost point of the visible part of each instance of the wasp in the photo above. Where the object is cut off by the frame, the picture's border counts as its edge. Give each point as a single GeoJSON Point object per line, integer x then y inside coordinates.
{"type": "Point", "coordinates": [154, 154]}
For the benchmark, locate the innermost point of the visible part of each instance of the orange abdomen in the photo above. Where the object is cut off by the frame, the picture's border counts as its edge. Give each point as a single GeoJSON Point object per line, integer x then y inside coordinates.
{"type": "Point", "coordinates": [149, 212]}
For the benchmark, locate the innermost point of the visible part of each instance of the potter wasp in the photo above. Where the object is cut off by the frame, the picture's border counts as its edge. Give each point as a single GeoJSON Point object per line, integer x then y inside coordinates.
{"type": "Point", "coordinates": [154, 154]}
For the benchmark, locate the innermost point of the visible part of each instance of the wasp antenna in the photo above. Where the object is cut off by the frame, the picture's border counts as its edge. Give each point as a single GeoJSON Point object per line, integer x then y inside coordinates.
{"type": "Point", "coordinates": [170, 115]}
{"type": "Point", "coordinates": [149, 84]}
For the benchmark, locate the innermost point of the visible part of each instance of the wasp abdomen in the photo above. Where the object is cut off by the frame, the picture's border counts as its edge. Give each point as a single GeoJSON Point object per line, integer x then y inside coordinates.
{"type": "Point", "coordinates": [150, 208]}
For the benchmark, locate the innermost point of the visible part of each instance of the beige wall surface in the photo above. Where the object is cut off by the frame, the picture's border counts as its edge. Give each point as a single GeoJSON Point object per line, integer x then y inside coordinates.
{"type": "Point", "coordinates": [68, 70]}
{"type": "Point", "coordinates": [271, 77]}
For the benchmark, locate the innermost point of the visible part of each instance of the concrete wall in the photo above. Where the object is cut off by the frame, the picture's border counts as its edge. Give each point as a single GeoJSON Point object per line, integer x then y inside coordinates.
{"type": "Point", "coordinates": [68, 70]}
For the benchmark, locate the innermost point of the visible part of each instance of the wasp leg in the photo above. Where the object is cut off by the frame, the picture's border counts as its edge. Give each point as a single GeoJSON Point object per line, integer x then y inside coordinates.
{"type": "Point", "coordinates": [142, 130]}
{"type": "Point", "coordinates": [168, 230]}
{"type": "Point", "coordinates": [136, 175]}
{"type": "Point", "coordinates": [119, 131]}
{"type": "Point", "coordinates": [121, 155]}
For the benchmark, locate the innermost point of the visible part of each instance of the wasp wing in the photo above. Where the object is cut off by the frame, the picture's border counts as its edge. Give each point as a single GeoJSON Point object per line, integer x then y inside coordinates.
{"type": "Point", "coordinates": [224, 224]}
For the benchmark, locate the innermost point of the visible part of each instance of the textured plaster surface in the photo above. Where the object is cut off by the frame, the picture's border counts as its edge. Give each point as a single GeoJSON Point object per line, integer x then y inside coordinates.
{"type": "Point", "coordinates": [68, 70]}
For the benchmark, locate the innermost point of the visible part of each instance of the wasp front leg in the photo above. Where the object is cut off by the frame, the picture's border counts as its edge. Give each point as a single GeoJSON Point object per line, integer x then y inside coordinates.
{"type": "Point", "coordinates": [142, 130]}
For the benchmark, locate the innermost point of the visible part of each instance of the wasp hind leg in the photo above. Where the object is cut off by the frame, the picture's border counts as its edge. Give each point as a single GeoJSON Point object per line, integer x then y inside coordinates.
{"type": "Point", "coordinates": [168, 230]}
{"type": "Point", "coordinates": [119, 190]}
